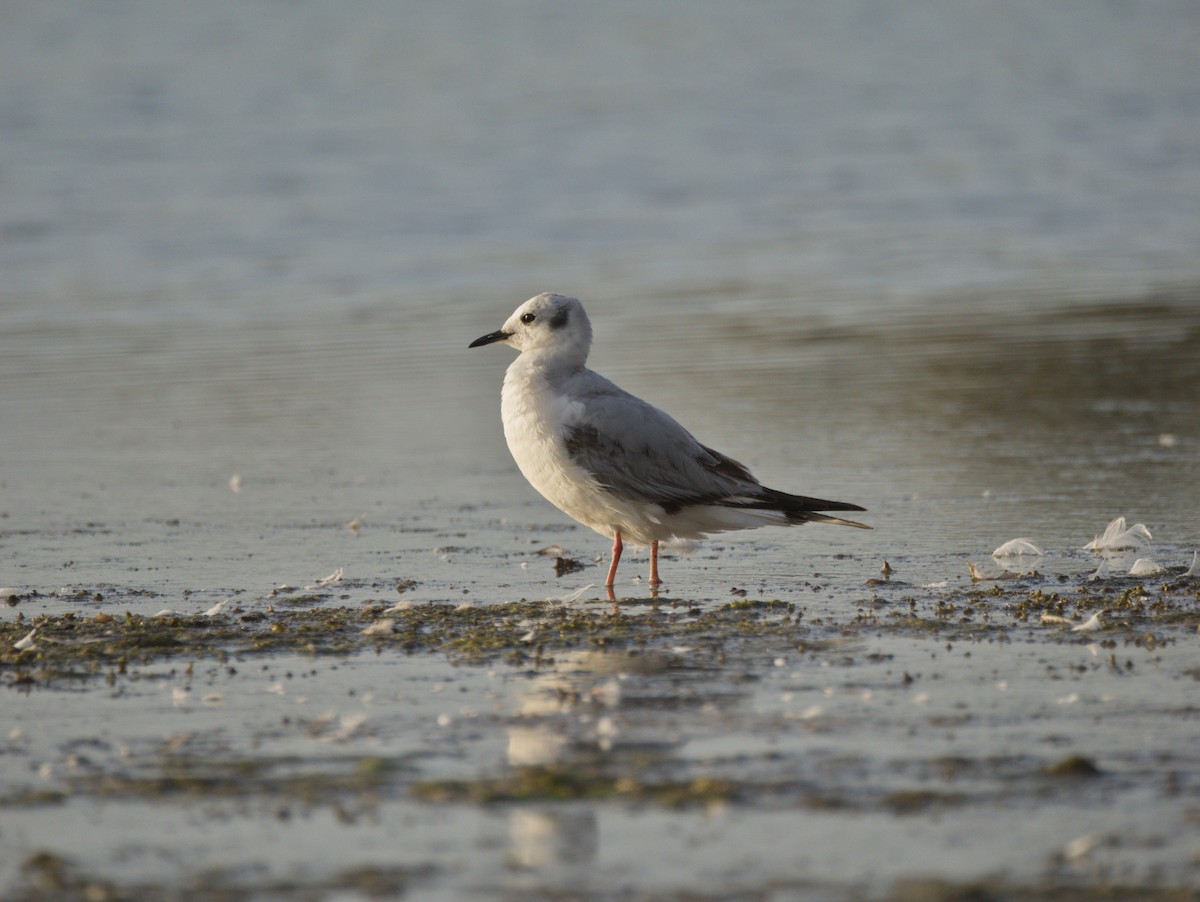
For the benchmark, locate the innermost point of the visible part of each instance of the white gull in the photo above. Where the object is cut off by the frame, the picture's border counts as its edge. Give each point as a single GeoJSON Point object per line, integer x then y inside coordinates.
{"type": "Point", "coordinates": [610, 460]}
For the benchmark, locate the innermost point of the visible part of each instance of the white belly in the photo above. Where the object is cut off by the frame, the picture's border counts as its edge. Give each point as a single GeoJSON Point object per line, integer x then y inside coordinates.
{"type": "Point", "coordinates": [536, 420]}
{"type": "Point", "coordinates": [541, 454]}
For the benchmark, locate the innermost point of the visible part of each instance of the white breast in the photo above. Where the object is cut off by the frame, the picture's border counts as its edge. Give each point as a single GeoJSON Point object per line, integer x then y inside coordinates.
{"type": "Point", "coordinates": [536, 420]}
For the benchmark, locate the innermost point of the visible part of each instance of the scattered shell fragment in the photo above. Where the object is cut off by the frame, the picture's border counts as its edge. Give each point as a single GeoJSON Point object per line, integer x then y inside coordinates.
{"type": "Point", "coordinates": [334, 577]}
{"type": "Point", "coordinates": [235, 483]}
{"type": "Point", "coordinates": [1015, 547]}
{"type": "Point", "coordinates": [1143, 566]}
{"type": "Point", "coordinates": [1117, 536]}
{"type": "Point", "coordinates": [1194, 570]}
{"type": "Point", "coordinates": [1082, 846]}
{"type": "Point", "coordinates": [1055, 619]}
{"type": "Point", "coordinates": [27, 643]}
{"type": "Point", "coordinates": [977, 577]}
{"type": "Point", "coordinates": [1092, 624]}
{"type": "Point", "coordinates": [571, 596]}
{"type": "Point", "coordinates": [380, 628]}
{"type": "Point", "coordinates": [349, 726]}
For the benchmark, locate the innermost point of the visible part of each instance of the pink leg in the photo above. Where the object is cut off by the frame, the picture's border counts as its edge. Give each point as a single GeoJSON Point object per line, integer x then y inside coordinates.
{"type": "Point", "coordinates": [655, 582]}
{"type": "Point", "coordinates": [616, 557]}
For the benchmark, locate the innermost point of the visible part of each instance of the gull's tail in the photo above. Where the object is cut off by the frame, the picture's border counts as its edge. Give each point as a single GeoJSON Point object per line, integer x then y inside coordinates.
{"type": "Point", "coordinates": [800, 509]}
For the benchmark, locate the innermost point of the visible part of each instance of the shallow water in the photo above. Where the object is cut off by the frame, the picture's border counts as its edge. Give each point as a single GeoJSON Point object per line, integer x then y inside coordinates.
{"type": "Point", "coordinates": [937, 262]}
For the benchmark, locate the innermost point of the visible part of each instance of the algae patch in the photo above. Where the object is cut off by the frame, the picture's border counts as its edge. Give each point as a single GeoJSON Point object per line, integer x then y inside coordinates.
{"type": "Point", "coordinates": [48, 875]}
{"type": "Point", "coordinates": [50, 649]}
{"type": "Point", "coordinates": [565, 784]}
{"type": "Point", "coordinates": [71, 647]}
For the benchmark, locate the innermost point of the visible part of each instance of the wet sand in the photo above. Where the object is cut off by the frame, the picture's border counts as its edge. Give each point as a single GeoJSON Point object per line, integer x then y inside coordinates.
{"type": "Point", "coordinates": [203, 703]}
{"type": "Point", "coordinates": [882, 742]}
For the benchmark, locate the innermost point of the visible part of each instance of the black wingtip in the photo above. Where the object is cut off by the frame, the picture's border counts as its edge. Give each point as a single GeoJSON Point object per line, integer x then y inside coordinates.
{"type": "Point", "coordinates": [802, 504]}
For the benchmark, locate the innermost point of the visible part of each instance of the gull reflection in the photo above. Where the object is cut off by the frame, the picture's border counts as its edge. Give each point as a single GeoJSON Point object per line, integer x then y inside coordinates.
{"type": "Point", "coordinates": [590, 682]}
{"type": "Point", "coordinates": [586, 677]}
{"type": "Point", "coordinates": [535, 746]}
{"type": "Point", "coordinates": [546, 837]}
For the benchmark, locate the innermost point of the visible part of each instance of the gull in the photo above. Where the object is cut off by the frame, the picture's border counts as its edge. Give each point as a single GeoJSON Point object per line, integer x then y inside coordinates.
{"type": "Point", "coordinates": [612, 461]}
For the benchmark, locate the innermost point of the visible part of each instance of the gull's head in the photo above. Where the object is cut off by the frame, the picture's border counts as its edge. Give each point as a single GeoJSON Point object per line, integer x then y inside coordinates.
{"type": "Point", "coordinates": [551, 324]}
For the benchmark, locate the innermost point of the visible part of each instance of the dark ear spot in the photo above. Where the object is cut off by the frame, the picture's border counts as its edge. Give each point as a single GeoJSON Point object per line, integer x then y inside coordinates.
{"type": "Point", "coordinates": [560, 318]}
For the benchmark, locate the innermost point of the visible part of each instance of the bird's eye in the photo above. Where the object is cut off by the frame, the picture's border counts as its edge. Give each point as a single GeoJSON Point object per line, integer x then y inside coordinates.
{"type": "Point", "coordinates": [527, 318]}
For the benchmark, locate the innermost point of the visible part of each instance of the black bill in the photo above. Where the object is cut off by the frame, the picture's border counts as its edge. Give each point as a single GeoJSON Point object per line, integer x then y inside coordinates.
{"type": "Point", "coordinates": [489, 338]}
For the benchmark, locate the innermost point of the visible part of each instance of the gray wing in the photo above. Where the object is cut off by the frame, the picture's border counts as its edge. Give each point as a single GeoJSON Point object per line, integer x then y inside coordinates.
{"type": "Point", "coordinates": [640, 453]}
